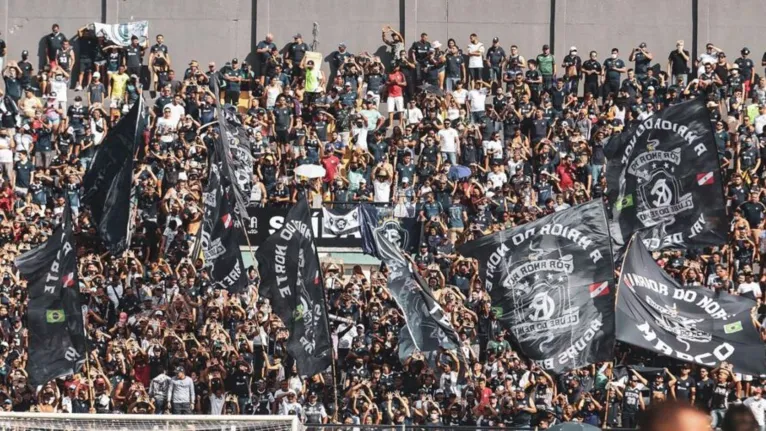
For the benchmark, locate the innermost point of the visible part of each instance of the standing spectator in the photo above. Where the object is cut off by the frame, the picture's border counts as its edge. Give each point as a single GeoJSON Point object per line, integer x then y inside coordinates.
{"type": "Point", "coordinates": [264, 50]}
{"type": "Point", "coordinates": [678, 64]}
{"type": "Point", "coordinates": [643, 58]}
{"type": "Point", "coordinates": [572, 68]}
{"type": "Point", "coordinates": [181, 398]}
{"type": "Point", "coordinates": [53, 43]}
{"type": "Point", "coordinates": [614, 68]}
{"type": "Point", "coordinates": [547, 66]}
{"type": "Point", "coordinates": [134, 56]}
{"type": "Point", "coordinates": [495, 60]}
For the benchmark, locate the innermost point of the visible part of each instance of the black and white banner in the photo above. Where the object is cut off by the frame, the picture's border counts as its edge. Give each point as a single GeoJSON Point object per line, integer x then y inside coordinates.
{"type": "Point", "coordinates": [54, 319]}
{"type": "Point", "coordinates": [340, 222]}
{"type": "Point", "coordinates": [221, 233]}
{"type": "Point", "coordinates": [290, 278]}
{"type": "Point", "coordinates": [668, 182]}
{"type": "Point", "coordinates": [694, 325]}
{"type": "Point", "coordinates": [427, 328]}
{"type": "Point", "coordinates": [121, 34]}
{"type": "Point", "coordinates": [552, 285]}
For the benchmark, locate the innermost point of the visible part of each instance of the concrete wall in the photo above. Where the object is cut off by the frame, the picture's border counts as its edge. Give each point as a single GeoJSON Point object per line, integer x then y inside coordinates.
{"type": "Point", "coordinates": [219, 30]}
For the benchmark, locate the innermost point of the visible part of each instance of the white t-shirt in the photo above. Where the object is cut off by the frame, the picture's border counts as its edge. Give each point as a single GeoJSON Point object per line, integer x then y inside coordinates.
{"type": "Point", "coordinates": [477, 98]}
{"type": "Point", "coordinates": [490, 146]}
{"type": "Point", "coordinates": [758, 407]}
{"type": "Point", "coordinates": [749, 287]}
{"type": "Point", "coordinates": [514, 166]}
{"type": "Point", "coordinates": [382, 191]}
{"type": "Point", "coordinates": [6, 154]}
{"type": "Point", "coordinates": [414, 115]}
{"type": "Point", "coordinates": [478, 60]}
{"type": "Point", "coordinates": [448, 140]}
{"type": "Point", "coordinates": [460, 95]}
{"type": "Point", "coordinates": [497, 179]}
{"type": "Point", "coordinates": [176, 112]}
{"type": "Point", "coordinates": [759, 123]}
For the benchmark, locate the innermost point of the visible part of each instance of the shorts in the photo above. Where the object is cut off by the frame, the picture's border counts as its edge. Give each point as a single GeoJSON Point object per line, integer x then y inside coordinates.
{"type": "Point", "coordinates": [86, 65]}
{"type": "Point", "coordinates": [134, 71]}
{"type": "Point", "coordinates": [395, 104]}
{"type": "Point", "coordinates": [282, 136]}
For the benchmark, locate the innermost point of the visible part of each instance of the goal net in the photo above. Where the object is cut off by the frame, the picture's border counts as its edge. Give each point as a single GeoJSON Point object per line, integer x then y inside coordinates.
{"type": "Point", "coordinates": [111, 422]}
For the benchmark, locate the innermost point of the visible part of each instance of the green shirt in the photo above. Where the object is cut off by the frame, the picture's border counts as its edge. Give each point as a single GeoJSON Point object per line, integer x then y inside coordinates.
{"type": "Point", "coordinates": [545, 64]}
{"type": "Point", "coordinates": [235, 85]}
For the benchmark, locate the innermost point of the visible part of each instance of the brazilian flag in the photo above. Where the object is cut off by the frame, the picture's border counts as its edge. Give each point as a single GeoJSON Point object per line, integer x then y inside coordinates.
{"type": "Point", "coordinates": [55, 316]}
{"type": "Point", "coordinates": [625, 202]}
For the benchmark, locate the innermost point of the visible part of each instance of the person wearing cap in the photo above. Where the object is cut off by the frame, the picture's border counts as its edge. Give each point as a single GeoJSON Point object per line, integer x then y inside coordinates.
{"type": "Point", "coordinates": [678, 64]}
{"type": "Point", "coordinates": [746, 70]}
{"type": "Point", "coordinates": [340, 57]}
{"type": "Point", "coordinates": [614, 67]}
{"type": "Point", "coordinates": [181, 397]}
{"type": "Point", "coordinates": [572, 65]}
{"type": "Point", "coordinates": [295, 53]}
{"type": "Point", "coordinates": [546, 64]}
{"type": "Point", "coordinates": [26, 68]}
{"type": "Point", "coordinates": [475, 51]}
{"type": "Point", "coordinates": [313, 82]}
{"type": "Point", "coordinates": [96, 91]}
{"type": "Point", "coordinates": [495, 59]}
{"type": "Point", "coordinates": [234, 76]}
{"type": "Point", "coordinates": [643, 58]}
{"type": "Point", "coordinates": [12, 78]}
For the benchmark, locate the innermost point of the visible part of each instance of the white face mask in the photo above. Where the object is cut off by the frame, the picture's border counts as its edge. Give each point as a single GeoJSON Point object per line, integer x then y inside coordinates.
{"type": "Point", "coordinates": [614, 56]}
{"type": "Point", "coordinates": [77, 104]}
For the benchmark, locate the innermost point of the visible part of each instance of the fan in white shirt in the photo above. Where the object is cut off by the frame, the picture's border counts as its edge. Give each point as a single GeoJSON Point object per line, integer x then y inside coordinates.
{"type": "Point", "coordinates": [497, 178]}
{"type": "Point", "coordinates": [448, 138]}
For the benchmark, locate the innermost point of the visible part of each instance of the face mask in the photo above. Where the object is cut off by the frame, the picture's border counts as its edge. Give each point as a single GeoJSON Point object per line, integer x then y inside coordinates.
{"type": "Point", "coordinates": [434, 416]}
{"type": "Point", "coordinates": [77, 104]}
{"type": "Point", "coordinates": [614, 56]}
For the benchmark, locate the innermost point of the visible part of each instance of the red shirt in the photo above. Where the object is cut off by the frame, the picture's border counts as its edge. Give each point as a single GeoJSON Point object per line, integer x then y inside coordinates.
{"type": "Point", "coordinates": [394, 89]}
{"type": "Point", "coordinates": [330, 164]}
{"type": "Point", "coordinates": [565, 174]}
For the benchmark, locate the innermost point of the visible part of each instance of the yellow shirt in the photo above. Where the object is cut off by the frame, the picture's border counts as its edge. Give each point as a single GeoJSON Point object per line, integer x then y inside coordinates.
{"type": "Point", "coordinates": [119, 82]}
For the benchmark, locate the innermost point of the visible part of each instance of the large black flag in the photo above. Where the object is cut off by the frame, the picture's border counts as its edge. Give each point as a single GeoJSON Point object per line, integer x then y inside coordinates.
{"type": "Point", "coordinates": [669, 181]}
{"type": "Point", "coordinates": [54, 319]}
{"type": "Point", "coordinates": [107, 184]}
{"type": "Point", "coordinates": [427, 328]}
{"type": "Point", "coordinates": [221, 231]}
{"type": "Point", "coordinates": [693, 325]}
{"type": "Point", "coordinates": [234, 150]}
{"type": "Point", "coordinates": [290, 278]}
{"type": "Point", "coordinates": [552, 285]}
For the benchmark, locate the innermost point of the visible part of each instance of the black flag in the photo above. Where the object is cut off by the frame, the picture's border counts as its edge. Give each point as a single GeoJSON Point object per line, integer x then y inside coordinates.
{"type": "Point", "coordinates": [291, 279]}
{"type": "Point", "coordinates": [694, 325]}
{"type": "Point", "coordinates": [368, 220]}
{"type": "Point", "coordinates": [427, 328]}
{"type": "Point", "coordinates": [233, 148]}
{"type": "Point", "coordinates": [54, 320]}
{"type": "Point", "coordinates": [669, 181]}
{"type": "Point", "coordinates": [552, 285]}
{"type": "Point", "coordinates": [107, 184]}
{"type": "Point", "coordinates": [220, 234]}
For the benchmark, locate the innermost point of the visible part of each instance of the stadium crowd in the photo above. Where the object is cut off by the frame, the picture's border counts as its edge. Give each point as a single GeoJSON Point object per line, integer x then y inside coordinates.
{"type": "Point", "coordinates": [466, 136]}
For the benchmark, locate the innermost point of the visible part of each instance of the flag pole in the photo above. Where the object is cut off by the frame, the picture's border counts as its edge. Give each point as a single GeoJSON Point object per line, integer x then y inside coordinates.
{"type": "Point", "coordinates": [326, 323]}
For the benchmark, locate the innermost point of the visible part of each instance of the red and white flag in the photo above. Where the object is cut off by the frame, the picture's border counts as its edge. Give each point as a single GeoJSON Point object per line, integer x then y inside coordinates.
{"type": "Point", "coordinates": [705, 179]}
{"type": "Point", "coordinates": [599, 289]}
{"type": "Point", "coordinates": [68, 279]}
{"type": "Point", "coordinates": [227, 220]}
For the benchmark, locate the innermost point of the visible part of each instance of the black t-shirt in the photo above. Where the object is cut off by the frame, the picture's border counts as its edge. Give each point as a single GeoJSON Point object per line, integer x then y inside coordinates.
{"type": "Point", "coordinates": [421, 50]}
{"type": "Point", "coordinates": [678, 64]}
{"type": "Point", "coordinates": [495, 55]}
{"type": "Point", "coordinates": [454, 65]}
{"type": "Point", "coordinates": [752, 212]}
{"type": "Point", "coordinates": [24, 173]}
{"type": "Point", "coordinates": [2, 47]}
{"type": "Point", "coordinates": [719, 399]}
{"type": "Point", "coordinates": [88, 47]}
{"type": "Point", "coordinates": [26, 72]}
{"type": "Point", "coordinates": [264, 56]}
{"type": "Point", "coordinates": [133, 56]}
{"type": "Point", "coordinates": [684, 388]}
{"type": "Point", "coordinates": [704, 391]}
{"type": "Point", "coordinates": [610, 64]}
{"type": "Point", "coordinates": [53, 42]}
{"type": "Point", "coordinates": [282, 118]}
{"type": "Point", "coordinates": [297, 51]}
{"type": "Point", "coordinates": [77, 116]}
{"type": "Point", "coordinates": [642, 63]}
{"type": "Point", "coordinates": [745, 67]}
